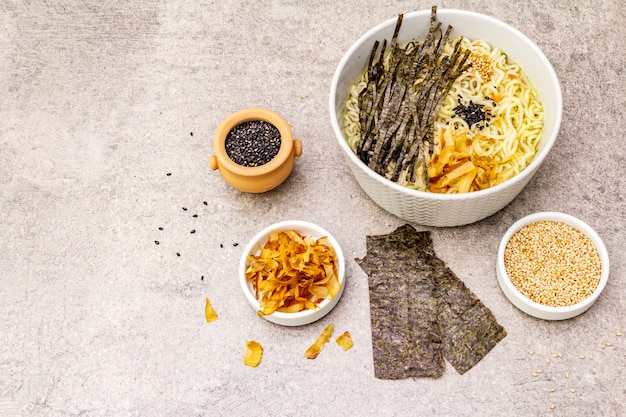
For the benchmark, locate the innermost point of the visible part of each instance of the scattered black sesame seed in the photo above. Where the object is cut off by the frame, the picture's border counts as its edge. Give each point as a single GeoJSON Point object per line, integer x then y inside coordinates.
{"type": "Point", "coordinates": [202, 278]}
{"type": "Point", "coordinates": [221, 245]}
{"type": "Point", "coordinates": [205, 203]}
{"type": "Point", "coordinates": [177, 253]}
{"type": "Point", "coordinates": [195, 215]}
{"type": "Point", "coordinates": [156, 242]}
{"type": "Point", "coordinates": [191, 133]}
{"type": "Point", "coordinates": [235, 244]}
{"type": "Point", "coordinates": [168, 174]}
{"type": "Point", "coordinates": [253, 143]}
{"type": "Point", "coordinates": [193, 231]}
{"type": "Point", "coordinates": [184, 208]}
{"type": "Point", "coordinates": [160, 228]}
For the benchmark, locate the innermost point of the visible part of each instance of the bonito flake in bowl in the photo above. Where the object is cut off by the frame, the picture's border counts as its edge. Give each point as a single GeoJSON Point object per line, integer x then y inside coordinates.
{"type": "Point", "coordinates": [292, 273]}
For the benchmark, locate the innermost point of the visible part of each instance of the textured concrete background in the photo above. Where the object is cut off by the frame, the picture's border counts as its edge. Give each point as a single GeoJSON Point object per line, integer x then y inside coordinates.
{"type": "Point", "coordinates": [100, 100]}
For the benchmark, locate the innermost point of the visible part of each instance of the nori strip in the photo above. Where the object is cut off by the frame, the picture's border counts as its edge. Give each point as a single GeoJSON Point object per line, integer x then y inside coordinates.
{"type": "Point", "coordinates": [421, 311]}
{"type": "Point", "coordinates": [393, 99]}
{"type": "Point", "coordinates": [367, 97]}
{"type": "Point", "coordinates": [406, 340]}
{"type": "Point", "coordinates": [470, 328]}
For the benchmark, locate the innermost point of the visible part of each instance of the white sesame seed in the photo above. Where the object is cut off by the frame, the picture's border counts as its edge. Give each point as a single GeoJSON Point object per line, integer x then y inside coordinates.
{"type": "Point", "coordinates": [552, 263]}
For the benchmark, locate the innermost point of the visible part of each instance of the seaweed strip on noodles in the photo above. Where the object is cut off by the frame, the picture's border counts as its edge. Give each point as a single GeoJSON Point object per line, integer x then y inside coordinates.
{"type": "Point", "coordinates": [377, 90]}
{"type": "Point", "coordinates": [392, 102]}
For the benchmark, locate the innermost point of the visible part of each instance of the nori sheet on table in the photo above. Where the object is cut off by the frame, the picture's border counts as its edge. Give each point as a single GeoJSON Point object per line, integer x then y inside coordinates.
{"type": "Point", "coordinates": [403, 310]}
{"type": "Point", "coordinates": [421, 311]}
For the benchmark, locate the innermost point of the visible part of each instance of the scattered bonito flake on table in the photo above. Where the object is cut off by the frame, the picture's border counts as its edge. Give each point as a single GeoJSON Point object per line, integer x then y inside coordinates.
{"type": "Point", "coordinates": [253, 353]}
{"type": "Point", "coordinates": [344, 340]}
{"type": "Point", "coordinates": [209, 312]}
{"type": "Point", "coordinates": [322, 339]}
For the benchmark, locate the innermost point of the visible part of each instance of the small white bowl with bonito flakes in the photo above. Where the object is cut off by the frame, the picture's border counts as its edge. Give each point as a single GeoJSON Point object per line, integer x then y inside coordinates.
{"type": "Point", "coordinates": [552, 266]}
{"type": "Point", "coordinates": [292, 272]}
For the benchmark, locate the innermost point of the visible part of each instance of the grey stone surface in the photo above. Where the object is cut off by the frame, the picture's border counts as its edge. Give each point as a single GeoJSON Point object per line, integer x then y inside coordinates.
{"type": "Point", "coordinates": [100, 100]}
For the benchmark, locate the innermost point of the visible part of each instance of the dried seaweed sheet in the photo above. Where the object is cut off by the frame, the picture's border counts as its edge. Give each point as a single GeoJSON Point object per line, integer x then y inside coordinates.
{"type": "Point", "coordinates": [420, 311]}
{"type": "Point", "coordinates": [406, 339]}
{"type": "Point", "coordinates": [471, 330]}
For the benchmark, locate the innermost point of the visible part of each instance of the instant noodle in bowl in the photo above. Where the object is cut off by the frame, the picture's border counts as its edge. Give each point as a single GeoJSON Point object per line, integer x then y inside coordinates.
{"type": "Point", "coordinates": [552, 265]}
{"type": "Point", "coordinates": [444, 116]}
{"type": "Point", "coordinates": [292, 273]}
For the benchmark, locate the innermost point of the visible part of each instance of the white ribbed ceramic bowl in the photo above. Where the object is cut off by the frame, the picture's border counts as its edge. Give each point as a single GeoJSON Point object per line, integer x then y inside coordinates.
{"type": "Point", "coordinates": [442, 209]}
{"type": "Point", "coordinates": [531, 307]}
{"type": "Point", "coordinates": [306, 229]}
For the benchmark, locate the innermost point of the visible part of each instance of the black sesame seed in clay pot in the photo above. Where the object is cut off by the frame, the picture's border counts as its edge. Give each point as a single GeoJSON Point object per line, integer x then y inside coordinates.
{"type": "Point", "coordinates": [254, 150]}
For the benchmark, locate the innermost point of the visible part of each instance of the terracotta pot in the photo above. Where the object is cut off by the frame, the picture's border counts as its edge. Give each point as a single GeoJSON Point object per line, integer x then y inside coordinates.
{"type": "Point", "coordinates": [260, 178]}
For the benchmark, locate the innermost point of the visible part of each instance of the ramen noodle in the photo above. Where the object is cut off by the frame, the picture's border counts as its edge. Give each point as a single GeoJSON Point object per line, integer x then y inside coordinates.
{"type": "Point", "coordinates": [486, 131]}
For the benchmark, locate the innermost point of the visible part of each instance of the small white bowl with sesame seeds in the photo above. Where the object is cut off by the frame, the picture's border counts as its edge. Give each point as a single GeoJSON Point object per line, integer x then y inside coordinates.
{"type": "Point", "coordinates": [552, 266]}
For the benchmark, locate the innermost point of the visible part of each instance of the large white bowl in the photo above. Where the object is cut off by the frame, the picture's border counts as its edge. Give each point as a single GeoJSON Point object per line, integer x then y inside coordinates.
{"type": "Point", "coordinates": [531, 307]}
{"type": "Point", "coordinates": [433, 209]}
{"type": "Point", "coordinates": [306, 229]}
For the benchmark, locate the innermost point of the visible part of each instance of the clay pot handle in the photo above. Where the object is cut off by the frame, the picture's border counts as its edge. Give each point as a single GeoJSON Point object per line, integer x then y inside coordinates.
{"type": "Point", "coordinates": [213, 162]}
{"type": "Point", "coordinates": [297, 147]}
